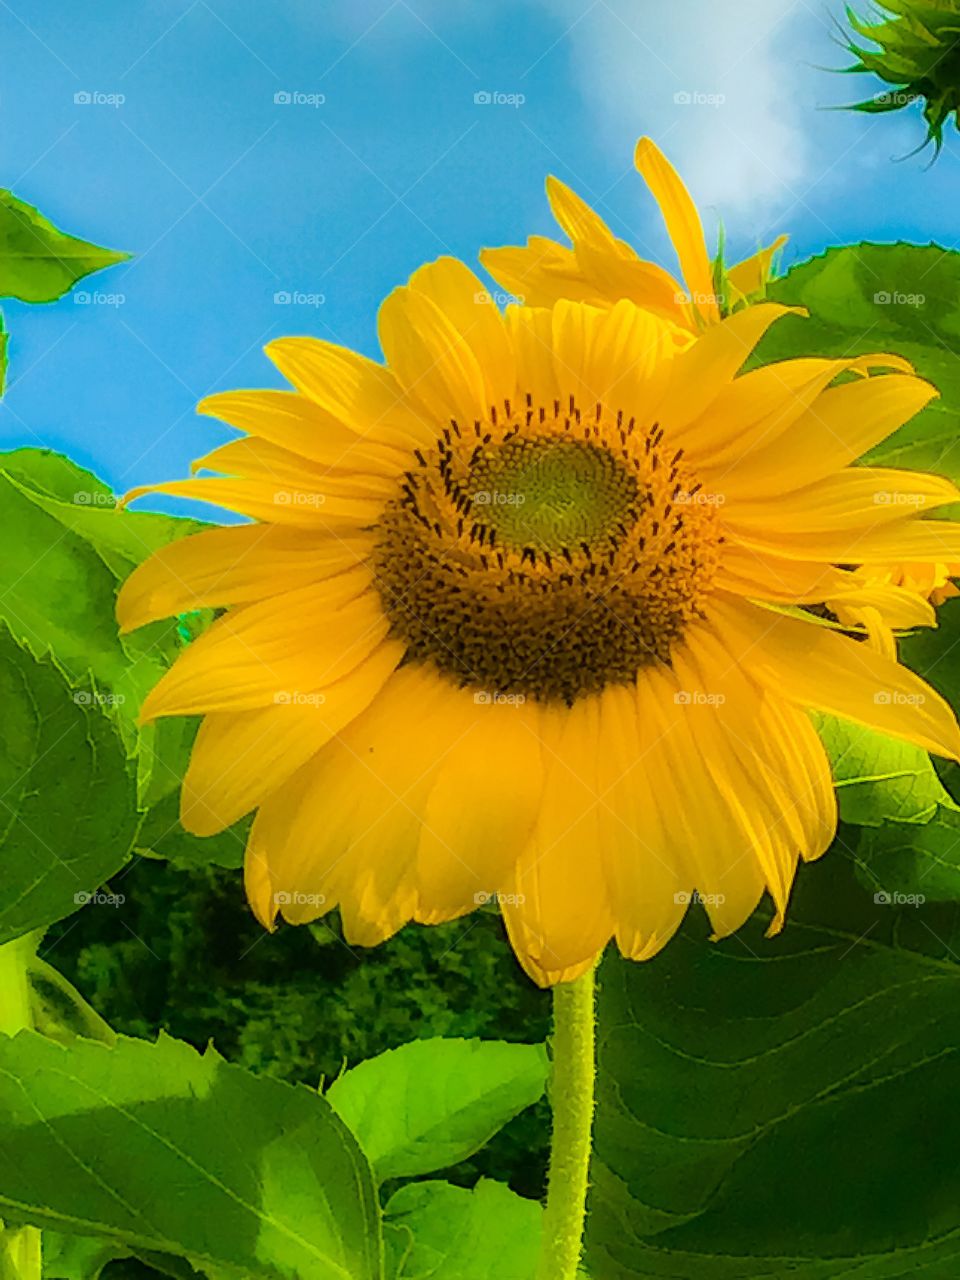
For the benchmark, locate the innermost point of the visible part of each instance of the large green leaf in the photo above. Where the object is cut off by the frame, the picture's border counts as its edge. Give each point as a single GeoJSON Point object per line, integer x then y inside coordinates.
{"type": "Point", "coordinates": [784, 1106]}
{"type": "Point", "coordinates": [890, 298]}
{"type": "Point", "coordinates": [879, 779]}
{"type": "Point", "coordinates": [432, 1103]}
{"type": "Point", "coordinates": [436, 1231]}
{"type": "Point", "coordinates": [68, 551]}
{"type": "Point", "coordinates": [914, 860]}
{"type": "Point", "coordinates": [38, 262]}
{"type": "Point", "coordinates": [163, 1149]}
{"type": "Point", "coordinates": [68, 793]}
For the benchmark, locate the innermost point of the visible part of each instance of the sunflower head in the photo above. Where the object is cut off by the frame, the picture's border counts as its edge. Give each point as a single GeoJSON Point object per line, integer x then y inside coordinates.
{"type": "Point", "coordinates": [526, 612]}
{"type": "Point", "coordinates": [917, 53]}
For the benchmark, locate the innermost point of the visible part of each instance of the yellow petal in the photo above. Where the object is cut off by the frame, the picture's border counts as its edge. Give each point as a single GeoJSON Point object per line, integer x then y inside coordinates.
{"type": "Point", "coordinates": [841, 424]}
{"type": "Point", "coordinates": [683, 226]}
{"type": "Point", "coordinates": [261, 460]}
{"type": "Point", "coordinates": [531, 332]}
{"type": "Point", "coordinates": [240, 757]}
{"type": "Point", "coordinates": [481, 809]}
{"type": "Point", "coordinates": [818, 668]}
{"type": "Point", "coordinates": [757, 408]}
{"type": "Point", "coordinates": [229, 566]}
{"type": "Point", "coordinates": [297, 423]}
{"type": "Point", "coordinates": [303, 640]}
{"type": "Point", "coordinates": [539, 273]}
{"type": "Point", "coordinates": [467, 304]}
{"type": "Point", "coordinates": [682, 765]}
{"type": "Point", "coordinates": [356, 391]}
{"type": "Point", "coordinates": [932, 541]}
{"type": "Point", "coordinates": [556, 905]}
{"type": "Point", "coordinates": [432, 359]}
{"type": "Point", "coordinates": [272, 502]}
{"type": "Point", "coordinates": [649, 881]}
{"type": "Point", "coordinates": [708, 366]}
{"type": "Point", "coordinates": [858, 498]}
{"type": "Point", "coordinates": [619, 357]}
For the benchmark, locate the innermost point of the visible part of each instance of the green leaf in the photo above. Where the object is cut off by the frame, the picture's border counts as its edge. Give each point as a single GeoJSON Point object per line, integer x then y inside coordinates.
{"type": "Point", "coordinates": [65, 519]}
{"type": "Point", "coordinates": [68, 1257]}
{"type": "Point", "coordinates": [783, 1106]}
{"type": "Point", "coordinates": [897, 298]}
{"type": "Point", "coordinates": [162, 836]}
{"type": "Point", "coordinates": [68, 804]}
{"type": "Point", "coordinates": [915, 861]}
{"type": "Point", "coordinates": [163, 1149]}
{"type": "Point", "coordinates": [879, 779]}
{"type": "Point", "coordinates": [436, 1231]}
{"type": "Point", "coordinates": [432, 1103]}
{"type": "Point", "coordinates": [39, 263]}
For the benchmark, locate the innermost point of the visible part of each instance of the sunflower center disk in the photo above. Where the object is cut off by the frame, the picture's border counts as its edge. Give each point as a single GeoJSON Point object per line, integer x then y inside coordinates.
{"type": "Point", "coordinates": [551, 494]}
{"type": "Point", "coordinates": [546, 555]}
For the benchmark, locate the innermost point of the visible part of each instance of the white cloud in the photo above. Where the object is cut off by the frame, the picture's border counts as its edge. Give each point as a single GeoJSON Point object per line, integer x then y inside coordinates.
{"type": "Point", "coordinates": [742, 138]}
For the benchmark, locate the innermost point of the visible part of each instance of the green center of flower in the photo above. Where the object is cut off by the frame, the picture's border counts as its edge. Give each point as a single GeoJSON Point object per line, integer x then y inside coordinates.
{"type": "Point", "coordinates": [551, 494]}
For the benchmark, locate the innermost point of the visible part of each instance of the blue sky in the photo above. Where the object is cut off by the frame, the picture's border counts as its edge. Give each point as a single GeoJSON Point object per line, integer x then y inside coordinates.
{"type": "Point", "coordinates": [227, 197]}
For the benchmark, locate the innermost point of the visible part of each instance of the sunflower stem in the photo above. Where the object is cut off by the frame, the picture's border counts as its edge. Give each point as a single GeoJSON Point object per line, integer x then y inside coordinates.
{"type": "Point", "coordinates": [572, 1101]}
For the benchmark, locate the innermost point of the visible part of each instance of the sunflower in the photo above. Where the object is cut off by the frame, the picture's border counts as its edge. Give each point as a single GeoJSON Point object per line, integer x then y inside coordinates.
{"type": "Point", "coordinates": [917, 50]}
{"type": "Point", "coordinates": [601, 269]}
{"type": "Point", "coordinates": [526, 614]}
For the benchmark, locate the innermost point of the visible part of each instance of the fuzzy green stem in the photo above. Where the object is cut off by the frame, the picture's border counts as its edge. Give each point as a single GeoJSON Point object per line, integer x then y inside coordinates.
{"type": "Point", "coordinates": [20, 1248]}
{"type": "Point", "coordinates": [572, 1101]}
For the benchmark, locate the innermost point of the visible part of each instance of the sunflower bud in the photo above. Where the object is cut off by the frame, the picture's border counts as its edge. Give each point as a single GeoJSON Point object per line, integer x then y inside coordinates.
{"type": "Point", "coordinates": [918, 56]}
